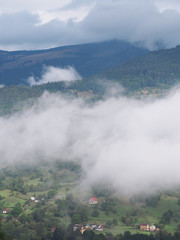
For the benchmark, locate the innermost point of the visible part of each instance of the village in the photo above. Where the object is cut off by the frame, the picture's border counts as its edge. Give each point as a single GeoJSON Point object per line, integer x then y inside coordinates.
{"type": "Point", "coordinates": [83, 226]}
{"type": "Point", "coordinates": [100, 227]}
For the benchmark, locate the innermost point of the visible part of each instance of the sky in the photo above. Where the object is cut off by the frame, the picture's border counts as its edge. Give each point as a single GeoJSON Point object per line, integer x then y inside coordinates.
{"type": "Point", "coordinates": [42, 24]}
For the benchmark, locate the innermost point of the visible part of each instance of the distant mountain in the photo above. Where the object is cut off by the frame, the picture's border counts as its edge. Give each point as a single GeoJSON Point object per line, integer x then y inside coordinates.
{"type": "Point", "coordinates": [88, 59]}
{"type": "Point", "coordinates": [159, 69]}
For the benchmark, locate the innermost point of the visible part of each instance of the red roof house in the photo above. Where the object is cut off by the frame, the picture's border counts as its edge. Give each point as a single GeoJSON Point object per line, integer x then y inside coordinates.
{"type": "Point", "coordinates": [93, 200]}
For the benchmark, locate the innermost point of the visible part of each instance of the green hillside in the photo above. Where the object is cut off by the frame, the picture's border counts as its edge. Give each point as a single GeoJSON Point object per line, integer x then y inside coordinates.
{"type": "Point", "coordinates": [156, 69]}
{"type": "Point", "coordinates": [60, 204]}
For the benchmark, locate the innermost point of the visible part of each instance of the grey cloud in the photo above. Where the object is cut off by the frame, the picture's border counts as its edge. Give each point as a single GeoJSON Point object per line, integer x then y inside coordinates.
{"type": "Point", "coordinates": [134, 21]}
{"type": "Point", "coordinates": [23, 29]}
{"type": "Point", "coordinates": [33, 5]}
{"type": "Point", "coordinates": [131, 144]}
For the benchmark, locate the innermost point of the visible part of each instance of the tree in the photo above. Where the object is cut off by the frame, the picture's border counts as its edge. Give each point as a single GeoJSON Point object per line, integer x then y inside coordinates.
{"type": "Point", "coordinates": [95, 213]}
{"type": "Point", "coordinates": [17, 210]}
{"type": "Point", "coordinates": [166, 217]}
{"type": "Point", "coordinates": [176, 236]}
{"type": "Point", "coordinates": [76, 218]}
{"type": "Point", "coordinates": [52, 193]}
{"type": "Point", "coordinates": [115, 222]}
{"type": "Point", "coordinates": [88, 235]}
{"type": "Point", "coordinates": [109, 223]}
{"type": "Point", "coordinates": [2, 236]}
{"type": "Point", "coordinates": [38, 215]}
{"type": "Point", "coordinates": [59, 233]}
{"type": "Point", "coordinates": [153, 201]}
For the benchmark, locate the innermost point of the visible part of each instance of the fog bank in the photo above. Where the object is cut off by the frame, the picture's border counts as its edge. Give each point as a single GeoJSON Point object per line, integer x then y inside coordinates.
{"type": "Point", "coordinates": [129, 143]}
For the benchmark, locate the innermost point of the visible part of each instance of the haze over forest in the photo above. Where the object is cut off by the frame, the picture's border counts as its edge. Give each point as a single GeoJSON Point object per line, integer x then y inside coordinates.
{"type": "Point", "coordinates": [89, 111]}
{"type": "Point", "coordinates": [120, 140]}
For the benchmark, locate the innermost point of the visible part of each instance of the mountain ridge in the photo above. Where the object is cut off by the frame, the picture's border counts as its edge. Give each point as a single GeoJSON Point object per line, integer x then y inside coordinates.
{"type": "Point", "coordinates": [155, 69]}
{"type": "Point", "coordinates": [87, 59]}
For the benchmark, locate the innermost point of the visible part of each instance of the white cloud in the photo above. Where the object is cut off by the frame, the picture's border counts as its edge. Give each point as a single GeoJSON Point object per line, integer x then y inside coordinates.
{"type": "Point", "coordinates": [75, 15]}
{"type": "Point", "coordinates": [54, 74]}
{"type": "Point", "coordinates": [131, 144]}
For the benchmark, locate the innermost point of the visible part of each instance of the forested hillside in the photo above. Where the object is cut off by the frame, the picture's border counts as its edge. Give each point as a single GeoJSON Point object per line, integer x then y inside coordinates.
{"type": "Point", "coordinates": [87, 59]}
{"type": "Point", "coordinates": [156, 69]}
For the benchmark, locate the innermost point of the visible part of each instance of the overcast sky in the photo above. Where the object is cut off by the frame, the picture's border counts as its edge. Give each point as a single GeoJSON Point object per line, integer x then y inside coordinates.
{"type": "Point", "coordinates": [41, 24]}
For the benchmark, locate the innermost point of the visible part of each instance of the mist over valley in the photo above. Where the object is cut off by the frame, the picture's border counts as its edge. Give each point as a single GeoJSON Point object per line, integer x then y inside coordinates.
{"type": "Point", "coordinates": [89, 120]}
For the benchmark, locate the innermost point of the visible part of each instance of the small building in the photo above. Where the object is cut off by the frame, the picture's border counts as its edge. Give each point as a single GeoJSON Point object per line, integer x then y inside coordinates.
{"type": "Point", "coordinates": [82, 227]}
{"type": "Point", "coordinates": [5, 211]}
{"type": "Point", "coordinates": [33, 199]}
{"type": "Point", "coordinates": [93, 200]}
{"type": "Point", "coordinates": [99, 227]}
{"type": "Point", "coordinates": [152, 228]}
{"type": "Point", "coordinates": [93, 226]}
{"type": "Point", "coordinates": [144, 227]}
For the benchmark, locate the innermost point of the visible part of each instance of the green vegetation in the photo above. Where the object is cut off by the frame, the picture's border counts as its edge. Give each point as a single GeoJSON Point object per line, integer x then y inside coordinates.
{"type": "Point", "coordinates": [46, 201]}
{"type": "Point", "coordinates": [42, 202]}
{"type": "Point", "coordinates": [159, 69]}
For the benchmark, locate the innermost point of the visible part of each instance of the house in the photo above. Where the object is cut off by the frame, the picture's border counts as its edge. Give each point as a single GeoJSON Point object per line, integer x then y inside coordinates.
{"type": "Point", "coordinates": [144, 227]}
{"type": "Point", "coordinates": [152, 228]}
{"type": "Point", "coordinates": [33, 199]}
{"type": "Point", "coordinates": [93, 200]}
{"type": "Point", "coordinates": [5, 211]}
{"type": "Point", "coordinates": [99, 228]}
{"type": "Point", "coordinates": [93, 226]}
{"type": "Point", "coordinates": [80, 227]}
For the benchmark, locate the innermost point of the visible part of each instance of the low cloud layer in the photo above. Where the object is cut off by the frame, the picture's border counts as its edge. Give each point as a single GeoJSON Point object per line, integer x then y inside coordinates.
{"type": "Point", "coordinates": [152, 22]}
{"type": "Point", "coordinates": [131, 144]}
{"type": "Point", "coordinates": [54, 74]}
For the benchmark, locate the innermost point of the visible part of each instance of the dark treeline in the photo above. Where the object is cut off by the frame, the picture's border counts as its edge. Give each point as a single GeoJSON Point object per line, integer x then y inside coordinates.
{"type": "Point", "coordinates": [159, 69]}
